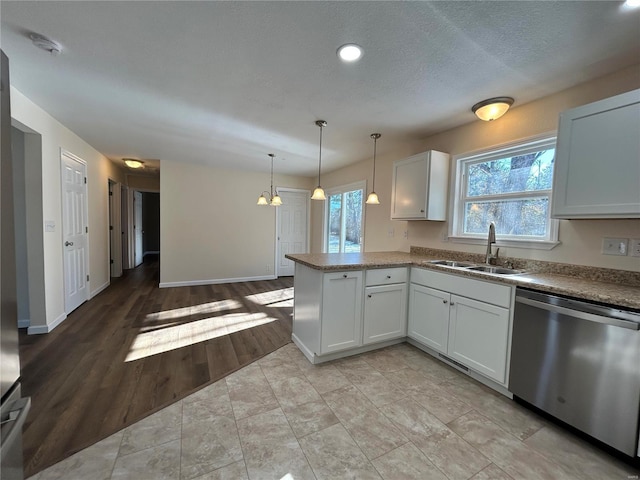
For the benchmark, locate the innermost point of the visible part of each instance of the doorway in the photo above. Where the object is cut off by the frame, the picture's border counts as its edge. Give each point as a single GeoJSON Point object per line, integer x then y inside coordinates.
{"type": "Point", "coordinates": [292, 228]}
{"type": "Point", "coordinates": [115, 229]}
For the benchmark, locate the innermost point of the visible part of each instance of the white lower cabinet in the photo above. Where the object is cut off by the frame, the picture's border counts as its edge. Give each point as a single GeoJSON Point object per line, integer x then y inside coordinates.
{"type": "Point", "coordinates": [479, 336]}
{"type": "Point", "coordinates": [429, 316]}
{"type": "Point", "coordinates": [385, 313]}
{"type": "Point", "coordinates": [469, 330]}
{"type": "Point", "coordinates": [341, 323]}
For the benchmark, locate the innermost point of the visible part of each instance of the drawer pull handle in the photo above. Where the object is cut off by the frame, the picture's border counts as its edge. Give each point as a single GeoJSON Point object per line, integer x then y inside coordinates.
{"type": "Point", "coordinates": [369, 295]}
{"type": "Point", "coordinates": [388, 276]}
{"type": "Point", "coordinates": [452, 304]}
{"type": "Point", "coordinates": [344, 276]}
{"type": "Point", "coordinates": [444, 301]}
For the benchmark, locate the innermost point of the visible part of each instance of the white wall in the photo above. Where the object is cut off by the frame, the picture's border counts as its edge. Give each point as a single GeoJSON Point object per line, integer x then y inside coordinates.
{"type": "Point", "coordinates": [55, 136]}
{"type": "Point", "coordinates": [211, 229]}
{"type": "Point", "coordinates": [581, 239]}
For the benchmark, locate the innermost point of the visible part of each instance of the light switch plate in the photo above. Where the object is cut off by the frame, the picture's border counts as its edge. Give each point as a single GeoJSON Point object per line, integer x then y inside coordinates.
{"type": "Point", "coordinates": [634, 247]}
{"type": "Point", "coordinates": [615, 246]}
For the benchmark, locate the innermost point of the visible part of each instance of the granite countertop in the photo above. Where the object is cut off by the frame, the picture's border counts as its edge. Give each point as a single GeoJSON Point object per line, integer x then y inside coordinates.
{"type": "Point", "coordinates": [615, 287]}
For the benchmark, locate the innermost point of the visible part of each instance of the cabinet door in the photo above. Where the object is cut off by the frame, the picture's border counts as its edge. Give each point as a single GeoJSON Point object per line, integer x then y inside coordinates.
{"type": "Point", "coordinates": [409, 188]}
{"type": "Point", "coordinates": [597, 171]}
{"type": "Point", "coordinates": [478, 336]}
{"type": "Point", "coordinates": [385, 313]}
{"type": "Point", "coordinates": [341, 311]}
{"type": "Point", "coordinates": [429, 316]}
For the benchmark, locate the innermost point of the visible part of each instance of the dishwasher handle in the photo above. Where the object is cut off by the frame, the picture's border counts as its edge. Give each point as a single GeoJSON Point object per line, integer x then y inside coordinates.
{"type": "Point", "coordinates": [615, 322]}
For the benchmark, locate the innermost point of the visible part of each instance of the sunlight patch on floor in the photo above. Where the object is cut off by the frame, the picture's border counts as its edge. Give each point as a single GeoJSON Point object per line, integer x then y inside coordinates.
{"type": "Point", "coordinates": [211, 307]}
{"type": "Point", "coordinates": [282, 297]}
{"type": "Point", "coordinates": [183, 335]}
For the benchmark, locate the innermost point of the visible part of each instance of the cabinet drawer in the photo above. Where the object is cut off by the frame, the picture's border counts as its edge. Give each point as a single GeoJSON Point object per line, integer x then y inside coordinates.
{"type": "Point", "coordinates": [483, 291]}
{"type": "Point", "coordinates": [386, 276]}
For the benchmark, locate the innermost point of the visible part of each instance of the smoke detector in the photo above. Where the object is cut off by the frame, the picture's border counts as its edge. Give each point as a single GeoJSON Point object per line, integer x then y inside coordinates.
{"type": "Point", "coordinates": [45, 43]}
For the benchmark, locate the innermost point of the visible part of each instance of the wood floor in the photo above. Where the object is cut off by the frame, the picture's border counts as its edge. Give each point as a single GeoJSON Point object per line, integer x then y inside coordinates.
{"type": "Point", "coordinates": [135, 349]}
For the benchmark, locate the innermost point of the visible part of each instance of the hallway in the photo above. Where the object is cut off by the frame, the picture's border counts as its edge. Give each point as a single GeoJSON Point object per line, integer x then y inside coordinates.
{"type": "Point", "coordinates": [135, 349]}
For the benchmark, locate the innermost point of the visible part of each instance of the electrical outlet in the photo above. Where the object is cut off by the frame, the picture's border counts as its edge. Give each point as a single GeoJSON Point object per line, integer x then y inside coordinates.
{"type": "Point", "coordinates": [634, 247]}
{"type": "Point", "coordinates": [615, 246]}
{"type": "Point", "coordinates": [405, 234]}
{"type": "Point", "coordinates": [268, 268]}
{"type": "Point", "coordinates": [390, 232]}
{"type": "Point", "coordinates": [444, 237]}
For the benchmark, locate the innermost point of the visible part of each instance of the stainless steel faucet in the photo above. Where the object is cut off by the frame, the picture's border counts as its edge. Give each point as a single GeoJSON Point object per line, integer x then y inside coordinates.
{"type": "Point", "coordinates": [491, 259]}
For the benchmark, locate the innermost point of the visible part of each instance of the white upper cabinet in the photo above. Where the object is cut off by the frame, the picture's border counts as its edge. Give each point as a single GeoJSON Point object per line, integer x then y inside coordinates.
{"type": "Point", "coordinates": [419, 188]}
{"type": "Point", "coordinates": [597, 170]}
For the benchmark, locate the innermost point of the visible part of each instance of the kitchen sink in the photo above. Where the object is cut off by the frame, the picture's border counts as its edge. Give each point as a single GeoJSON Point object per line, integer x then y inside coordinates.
{"type": "Point", "coordinates": [451, 263]}
{"type": "Point", "coordinates": [495, 270]}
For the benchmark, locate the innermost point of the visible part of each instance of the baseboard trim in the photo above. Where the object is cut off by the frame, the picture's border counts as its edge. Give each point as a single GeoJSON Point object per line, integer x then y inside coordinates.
{"type": "Point", "coordinates": [39, 329]}
{"type": "Point", "coordinates": [24, 322]}
{"type": "Point", "coordinates": [151, 252]}
{"type": "Point", "coordinates": [214, 281]}
{"type": "Point", "coordinates": [99, 289]}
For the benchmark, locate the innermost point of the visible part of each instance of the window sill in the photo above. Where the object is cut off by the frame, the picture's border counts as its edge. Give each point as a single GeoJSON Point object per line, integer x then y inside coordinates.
{"type": "Point", "coordinates": [529, 244]}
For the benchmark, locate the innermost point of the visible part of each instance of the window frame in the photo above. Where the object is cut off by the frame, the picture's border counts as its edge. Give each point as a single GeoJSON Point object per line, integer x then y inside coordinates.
{"type": "Point", "coordinates": [342, 189]}
{"type": "Point", "coordinates": [459, 187]}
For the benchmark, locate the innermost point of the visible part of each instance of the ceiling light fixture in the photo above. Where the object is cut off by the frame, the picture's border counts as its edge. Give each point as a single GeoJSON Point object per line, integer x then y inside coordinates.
{"type": "Point", "coordinates": [133, 163]}
{"type": "Point", "coordinates": [274, 200]}
{"type": "Point", "coordinates": [318, 193]}
{"type": "Point", "coordinates": [45, 43]}
{"type": "Point", "coordinates": [373, 199]}
{"type": "Point", "coordinates": [631, 4]}
{"type": "Point", "coordinates": [492, 108]}
{"type": "Point", "coordinates": [349, 52]}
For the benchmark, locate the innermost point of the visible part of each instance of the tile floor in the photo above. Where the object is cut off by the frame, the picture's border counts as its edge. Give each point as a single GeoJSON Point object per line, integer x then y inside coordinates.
{"type": "Point", "coordinates": [396, 413]}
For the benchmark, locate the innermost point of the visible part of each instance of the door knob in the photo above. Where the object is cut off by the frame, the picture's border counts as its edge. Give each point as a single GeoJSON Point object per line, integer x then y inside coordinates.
{"type": "Point", "coordinates": [68, 244]}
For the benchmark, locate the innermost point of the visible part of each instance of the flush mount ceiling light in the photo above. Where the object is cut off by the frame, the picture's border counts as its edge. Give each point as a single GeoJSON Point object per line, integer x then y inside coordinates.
{"type": "Point", "coordinates": [45, 44]}
{"type": "Point", "coordinates": [350, 52]}
{"type": "Point", "coordinates": [372, 199]}
{"type": "Point", "coordinates": [492, 108]}
{"type": "Point", "coordinates": [631, 4]}
{"type": "Point", "coordinates": [274, 200]}
{"type": "Point", "coordinates": [318, 193]}
{"type": "Point", "coordinates": [133, 163]}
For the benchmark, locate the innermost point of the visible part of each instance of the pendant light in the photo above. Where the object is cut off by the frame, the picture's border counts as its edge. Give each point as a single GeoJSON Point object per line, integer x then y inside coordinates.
{"type": "Point", "coordinates": [274, 200]}
{"type": "Point", "coordinates": [318, 193]}
{"type": "Point", "coordinates": [372, 199]}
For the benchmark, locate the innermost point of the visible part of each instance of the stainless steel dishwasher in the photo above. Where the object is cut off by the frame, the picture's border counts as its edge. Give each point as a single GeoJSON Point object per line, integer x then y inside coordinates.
{"type": "Point", "coordinates": [580, 363]}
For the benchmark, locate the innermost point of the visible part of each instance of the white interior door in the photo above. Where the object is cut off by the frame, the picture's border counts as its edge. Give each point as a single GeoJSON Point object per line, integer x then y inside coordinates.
{"type": "Point", "coordinates": [75, 231]}
{"type": "Point", "coordinates": [137, 227]}
{"type": "Point", "coordinates": [292, 228]}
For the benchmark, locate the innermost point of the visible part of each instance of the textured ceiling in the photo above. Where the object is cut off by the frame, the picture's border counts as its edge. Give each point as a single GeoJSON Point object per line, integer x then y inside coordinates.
{"type": "Point", "coordinates": [225, 83]}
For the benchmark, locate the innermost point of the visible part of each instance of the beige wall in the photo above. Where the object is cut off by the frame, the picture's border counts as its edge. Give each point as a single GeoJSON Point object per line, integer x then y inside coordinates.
{"type": "Point", "coordinates": [581, 239]}
{"type": "Point", "coordinates": [211, 229]}
{"type": "Point", "coordinates": [144, 183]}
{"type": "Point", "coordinates": [56, 136]}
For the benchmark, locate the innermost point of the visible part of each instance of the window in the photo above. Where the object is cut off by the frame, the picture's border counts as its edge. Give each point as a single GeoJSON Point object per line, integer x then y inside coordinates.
{"type": "Point", "coordinates": [344, 214]}
{"type": "Point", "coordinates": [508, 186]}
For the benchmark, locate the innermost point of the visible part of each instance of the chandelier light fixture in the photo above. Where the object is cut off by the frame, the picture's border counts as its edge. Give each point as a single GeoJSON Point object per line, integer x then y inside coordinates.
{"type": "Point", "coordinates": [318, 193]}
{"type": "Point", "coordinates": [372, 198]}
{"type": "Point", "coordinates": [274, 199]}
{"type": "Point", "coordinates": [492, 108]}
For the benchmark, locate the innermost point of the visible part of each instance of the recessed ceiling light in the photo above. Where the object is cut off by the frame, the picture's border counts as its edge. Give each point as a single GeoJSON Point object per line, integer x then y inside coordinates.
{"type": "Point", "coordinates": [350, 52]}
{"type": "Point", "coordinates": [45, 43]}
